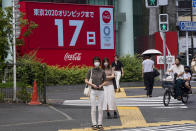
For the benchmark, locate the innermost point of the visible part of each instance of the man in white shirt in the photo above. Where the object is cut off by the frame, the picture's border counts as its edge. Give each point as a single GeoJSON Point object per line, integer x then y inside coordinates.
{"type": "Point", "coordinates": [147, 73]}
{"type": "Point", "coordinates": [179, 70]}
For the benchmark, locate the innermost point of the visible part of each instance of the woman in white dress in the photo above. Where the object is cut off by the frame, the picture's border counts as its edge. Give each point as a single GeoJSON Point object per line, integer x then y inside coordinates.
{"type": "Point", "coordinates": [109, 103]}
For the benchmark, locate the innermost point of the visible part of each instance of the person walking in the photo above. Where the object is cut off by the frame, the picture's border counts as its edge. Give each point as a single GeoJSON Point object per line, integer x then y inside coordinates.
{"type": "Point", "coordinates": [109, 103]}
{"type": "Point", "coordinates": [118, 71]}
{"type": "Point", "coordinates": [193, 64]}
{"type": "Point", "coordinates": [147, 74]}
{"type": "Point", "coordinates": [98, 81]}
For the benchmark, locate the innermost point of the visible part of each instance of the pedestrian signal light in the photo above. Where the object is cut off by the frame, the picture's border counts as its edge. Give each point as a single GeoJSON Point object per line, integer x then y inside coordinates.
{"type": "Point", "coordinates": [152, 3]}
{"type": "Point", "coordinates": [163, 23]}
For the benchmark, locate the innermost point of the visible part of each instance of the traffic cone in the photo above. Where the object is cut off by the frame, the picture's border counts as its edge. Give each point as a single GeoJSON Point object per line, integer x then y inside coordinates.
{"type": "Point", "coordinates": [34, 100]}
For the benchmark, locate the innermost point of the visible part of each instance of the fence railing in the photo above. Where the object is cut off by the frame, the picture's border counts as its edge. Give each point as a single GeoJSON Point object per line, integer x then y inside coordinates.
{"type": "Point", "coordinates": [25, 78]}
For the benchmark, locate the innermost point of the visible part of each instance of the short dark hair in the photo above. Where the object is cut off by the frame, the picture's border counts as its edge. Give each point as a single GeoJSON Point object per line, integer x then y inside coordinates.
{"type": "Point", "coordinates": [103, 61]}
{"type": "Point", "coordinates": [178, 59]}
{"type": "Point", "coordinates": [96, 58]}
{"type": "Point", "coordinates": [116, 56]}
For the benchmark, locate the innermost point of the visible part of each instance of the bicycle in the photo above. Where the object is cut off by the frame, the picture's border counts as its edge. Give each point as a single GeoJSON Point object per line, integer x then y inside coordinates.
{"type": "Point", "coordinates": [169, 87]}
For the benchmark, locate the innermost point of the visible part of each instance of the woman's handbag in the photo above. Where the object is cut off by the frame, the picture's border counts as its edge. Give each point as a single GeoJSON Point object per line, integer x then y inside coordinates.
{"type": "Point", "coordinates": [87, 89]}
{"type": "Point", "coordinates": [114, 83]}
{"type": "Point", "coordinates": [155, 72]}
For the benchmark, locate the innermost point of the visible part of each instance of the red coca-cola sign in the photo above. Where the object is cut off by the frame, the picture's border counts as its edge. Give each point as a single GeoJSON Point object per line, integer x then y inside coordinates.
{"type": "Point", "coordinates": [106, 16]}
{"type": "Point", "coordinates": [69, 33]}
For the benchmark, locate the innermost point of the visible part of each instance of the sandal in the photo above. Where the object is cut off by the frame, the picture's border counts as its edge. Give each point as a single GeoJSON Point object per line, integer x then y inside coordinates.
{"type": "Point", "coordinates": [94, 127]}
{"type": "Point", "coordinates": [100, 127]}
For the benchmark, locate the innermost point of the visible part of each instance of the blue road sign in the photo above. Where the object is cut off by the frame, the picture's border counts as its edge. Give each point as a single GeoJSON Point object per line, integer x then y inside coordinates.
{"type": "Point", "coordinates": [187, 26]}
{"type": "Point", "coordinates": [194, 3]}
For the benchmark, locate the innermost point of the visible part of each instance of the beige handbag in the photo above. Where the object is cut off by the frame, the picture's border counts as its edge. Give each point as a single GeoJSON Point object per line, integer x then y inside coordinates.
{"type": "Point", "coordinates": [87, 89]}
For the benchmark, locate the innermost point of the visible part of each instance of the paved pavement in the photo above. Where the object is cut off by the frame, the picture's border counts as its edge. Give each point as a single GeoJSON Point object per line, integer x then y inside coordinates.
{"type": "Point", "coordinates": [69, 110]}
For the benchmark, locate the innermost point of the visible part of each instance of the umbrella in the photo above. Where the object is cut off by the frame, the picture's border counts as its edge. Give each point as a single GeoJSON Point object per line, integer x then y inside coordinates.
{"type": "Point", "coordinates": [151, 52]}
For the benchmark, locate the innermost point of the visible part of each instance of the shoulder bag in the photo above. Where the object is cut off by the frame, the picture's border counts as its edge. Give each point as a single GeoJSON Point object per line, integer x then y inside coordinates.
{"type": "Point", "coordinates": [87, 89]}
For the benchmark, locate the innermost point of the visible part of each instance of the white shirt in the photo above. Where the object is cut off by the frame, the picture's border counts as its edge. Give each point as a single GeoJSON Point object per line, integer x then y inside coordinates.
{"type": "Point", "coordinates": [177, 69]}
{"type": "Point", "coordinates": [148, 65]}
{"type": "Point", "coordinates": [187, 75]}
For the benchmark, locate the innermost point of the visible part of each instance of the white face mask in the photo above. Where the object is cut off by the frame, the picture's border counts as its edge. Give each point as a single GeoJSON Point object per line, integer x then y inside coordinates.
{"type": "Point", "coordinates": [97, 64]}
{"type": "Point", "coordinates": [105, 64]}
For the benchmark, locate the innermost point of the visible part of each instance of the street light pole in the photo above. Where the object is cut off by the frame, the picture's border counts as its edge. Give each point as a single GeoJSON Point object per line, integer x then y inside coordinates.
{"type": "Point", "coordinates": [14, 50]}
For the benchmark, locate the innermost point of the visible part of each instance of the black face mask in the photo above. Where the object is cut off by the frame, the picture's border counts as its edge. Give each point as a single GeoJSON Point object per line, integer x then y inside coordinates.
{"type": "Point", "coordinates": [187, 70]}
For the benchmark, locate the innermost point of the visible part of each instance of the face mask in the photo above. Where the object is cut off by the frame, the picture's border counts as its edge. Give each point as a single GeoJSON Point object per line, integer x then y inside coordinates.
{"type": "Point", "coordinates": [105, 64]}
{"type": "Point", "coordinates": [97, 64]}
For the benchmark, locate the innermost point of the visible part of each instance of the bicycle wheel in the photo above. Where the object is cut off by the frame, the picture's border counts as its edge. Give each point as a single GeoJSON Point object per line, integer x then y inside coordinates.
{"type": "Point", "coordinates": [166, 98]}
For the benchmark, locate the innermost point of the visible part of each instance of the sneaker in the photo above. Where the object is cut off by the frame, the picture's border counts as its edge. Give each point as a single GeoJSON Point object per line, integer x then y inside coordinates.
{"type": "Point", "coordinates": [100, 127]}
{"type": "Point", "coordinates": [108, 115]}
{"type": "Point", "coordinates": [115, 115]}
{"type": "Point", "coordinates": [94, 127]}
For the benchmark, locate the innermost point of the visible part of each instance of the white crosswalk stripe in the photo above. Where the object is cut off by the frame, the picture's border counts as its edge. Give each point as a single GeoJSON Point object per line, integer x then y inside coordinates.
{"type": "Point", "coordinates": [186, 127]}
{"type": "Point", "coordinates": [154, 102]}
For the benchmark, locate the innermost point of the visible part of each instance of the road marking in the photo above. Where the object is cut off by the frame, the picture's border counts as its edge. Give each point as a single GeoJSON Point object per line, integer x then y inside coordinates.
{"type": "Point", "coordinates": [131, 117]}
{"type": "Point", "coordinates": [154, 102]}
{"type": "Point", "coordinates": [62, 113]}
{"type": "Point", "coordinates": [142, 87]}
{"type": "Point", "coordinates": [190, 127]}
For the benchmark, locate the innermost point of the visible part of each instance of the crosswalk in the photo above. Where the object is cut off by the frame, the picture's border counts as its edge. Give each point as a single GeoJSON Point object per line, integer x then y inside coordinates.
{"type": "Point", "coordinates": [186, 127]}
{"type": "Point", "coordinates": [154, 102]}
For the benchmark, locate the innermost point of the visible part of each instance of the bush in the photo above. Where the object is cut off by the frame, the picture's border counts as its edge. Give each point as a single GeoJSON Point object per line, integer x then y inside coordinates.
{"type": "Point", "coordinates": [132, 68]}
{"type": "Point", "coordinates": [31, 69]}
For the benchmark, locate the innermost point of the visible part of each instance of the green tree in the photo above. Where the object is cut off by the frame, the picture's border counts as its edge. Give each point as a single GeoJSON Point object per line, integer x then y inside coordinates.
{"type": "Point", "coordinates": [6, 31]}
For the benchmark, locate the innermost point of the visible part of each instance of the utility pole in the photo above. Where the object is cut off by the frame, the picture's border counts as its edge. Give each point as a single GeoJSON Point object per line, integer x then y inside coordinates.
{"type": "Point", "coordinates": [192, 51]}
{"type": "Point", "coordinates": [14, 49]}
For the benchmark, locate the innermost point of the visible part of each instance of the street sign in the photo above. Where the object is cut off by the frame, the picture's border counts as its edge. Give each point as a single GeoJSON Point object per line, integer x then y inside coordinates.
{"type": "Point", "coordinates": [187, 26]}
{"type": "Point", "coordinates": [193, 3]}
{"type": "Point", "coordinates": [169, 59]}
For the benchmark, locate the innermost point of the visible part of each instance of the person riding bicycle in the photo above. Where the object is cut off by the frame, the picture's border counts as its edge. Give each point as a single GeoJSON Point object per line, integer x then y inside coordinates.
{"type": "Point", "coordinates": [178, 69]}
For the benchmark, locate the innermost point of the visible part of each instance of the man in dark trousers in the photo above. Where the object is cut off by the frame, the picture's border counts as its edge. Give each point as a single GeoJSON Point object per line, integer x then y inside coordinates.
{"type": "Point", "coordinates": [147, 74]}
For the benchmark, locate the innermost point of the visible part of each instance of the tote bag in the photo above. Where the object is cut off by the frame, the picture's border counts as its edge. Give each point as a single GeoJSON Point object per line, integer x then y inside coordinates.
{"type": "Point", "coordinates": [87, 89]}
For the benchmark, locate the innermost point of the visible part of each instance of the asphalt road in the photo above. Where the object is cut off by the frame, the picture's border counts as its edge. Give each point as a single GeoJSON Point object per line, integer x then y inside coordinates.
{"type": "Point", "coordinates": [69, 109]}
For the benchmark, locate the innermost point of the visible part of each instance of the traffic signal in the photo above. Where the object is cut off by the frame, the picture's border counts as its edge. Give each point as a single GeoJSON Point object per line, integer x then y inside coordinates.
{"type": "Point", "coordinates": [163, 23]}
{"type": "Point", "coordinates": [152, 3]}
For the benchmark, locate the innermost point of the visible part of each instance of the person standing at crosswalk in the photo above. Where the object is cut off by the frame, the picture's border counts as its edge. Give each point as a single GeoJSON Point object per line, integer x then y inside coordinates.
{"type": "Point", "coordinates": [109, 103]}
{"type": "Point", "coordinates": [98, 81]}
{"type": "Point", "coordinates": [118, 71]}
{"type": "Point", "coordinates": [147, 74]}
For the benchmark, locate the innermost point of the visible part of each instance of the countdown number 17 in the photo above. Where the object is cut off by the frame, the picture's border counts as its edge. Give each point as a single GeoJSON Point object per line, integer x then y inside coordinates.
{"type": "Point", "coordinates": [78, 23]}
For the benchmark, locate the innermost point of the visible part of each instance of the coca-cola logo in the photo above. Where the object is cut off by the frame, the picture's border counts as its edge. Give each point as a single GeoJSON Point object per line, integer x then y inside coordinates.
{"type": "Point", "coordinates": [106, 16]}
{"type": "Point", "coordinates": [72, 57]}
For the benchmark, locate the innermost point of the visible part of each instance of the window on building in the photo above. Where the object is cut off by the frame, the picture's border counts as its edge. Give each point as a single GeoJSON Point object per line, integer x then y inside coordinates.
{"type": "Point", "coordinates": [185, 4]}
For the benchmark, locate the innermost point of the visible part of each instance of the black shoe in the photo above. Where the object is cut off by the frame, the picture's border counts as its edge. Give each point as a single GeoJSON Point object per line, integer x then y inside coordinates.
{"type": "Point", "coordinates": [115, 115]}
{"type": "Point", "coordinates": [108, 115]}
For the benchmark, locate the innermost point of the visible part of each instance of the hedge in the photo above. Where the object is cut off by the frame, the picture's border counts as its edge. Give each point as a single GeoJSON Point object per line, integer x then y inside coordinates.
{"type": "Point", "coordinates": [30, 69]}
